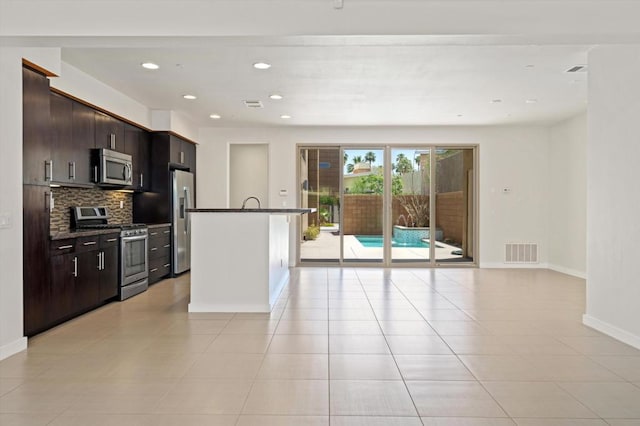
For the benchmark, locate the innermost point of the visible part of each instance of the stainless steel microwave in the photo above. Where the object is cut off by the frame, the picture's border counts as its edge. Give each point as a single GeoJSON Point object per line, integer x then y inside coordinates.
{"type": "Point", "coordinates": [111, 168]}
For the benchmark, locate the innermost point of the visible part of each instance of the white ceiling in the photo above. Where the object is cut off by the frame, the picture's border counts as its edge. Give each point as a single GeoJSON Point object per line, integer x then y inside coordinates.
{"type": "Point", "coordinates": [372, 82]}
{"type": "Point", "coordinates": [373, 62]}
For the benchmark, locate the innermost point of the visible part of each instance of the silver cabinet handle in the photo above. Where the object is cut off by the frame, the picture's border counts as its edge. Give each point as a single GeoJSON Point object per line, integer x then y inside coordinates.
{"type": "Point", "coordinates": [166, 232]}
{"type": "Point", "coordinates": [141, 180]}
{"type": "Point", "coordinates": [75, 266]}
{"type": "Point", "coordinates": [72, 169]}
{"type": "Point", "coordinates": [182, 157]}
{"type": "Point", "coordinates": [102, 253]}
{"type": "Point", "coordinates": [99, 262]}
{"type": "Point", "coordinates": [153, 270]}
{"type": "Point", "coordinates": [166, 265]}
{"type": "Point", "coordinates": [110, 240]}
{"type": "Point", "coordinates": [48, 170]}
{"type": "Point", "coordinates": [112, 141]}
{"type": "Point", "coordinates": [89, 243]}
{"type": "Point", "coordinates": [153, 249]}
{"type": "Point", "coordinates": [167, 246]}
{"type": "Point", "coordinates": [153, 233]}
{"type": "Point", "coordinates": [65, 247]}
{"type": "Point", "coordinates": [95, 174]}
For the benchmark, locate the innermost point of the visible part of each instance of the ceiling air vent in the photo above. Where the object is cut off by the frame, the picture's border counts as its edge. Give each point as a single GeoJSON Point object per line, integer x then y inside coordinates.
{"type": "Point", "coordinates": [253, 104]}
{"type": "Point", "coordinates": [578, 68]}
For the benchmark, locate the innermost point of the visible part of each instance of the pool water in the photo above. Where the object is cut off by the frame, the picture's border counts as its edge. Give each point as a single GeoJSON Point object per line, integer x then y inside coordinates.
{"type": "Point", "coordinates": [376, 241]}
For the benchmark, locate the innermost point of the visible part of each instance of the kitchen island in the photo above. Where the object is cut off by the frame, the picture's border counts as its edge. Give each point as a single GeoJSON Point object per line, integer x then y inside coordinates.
{"type": "Point", "coordinates": [239, 258]}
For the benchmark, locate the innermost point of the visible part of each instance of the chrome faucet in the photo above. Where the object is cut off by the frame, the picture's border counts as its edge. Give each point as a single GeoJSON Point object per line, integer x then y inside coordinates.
{"type": "Point", "coordinates": [247, 199]}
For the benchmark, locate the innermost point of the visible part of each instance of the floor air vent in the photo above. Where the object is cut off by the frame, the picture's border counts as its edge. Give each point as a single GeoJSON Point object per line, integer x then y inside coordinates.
{"type": "Point", "coordinates": [521, 253]}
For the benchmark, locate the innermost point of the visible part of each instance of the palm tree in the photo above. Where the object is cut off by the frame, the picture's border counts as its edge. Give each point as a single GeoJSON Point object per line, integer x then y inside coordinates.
{"type": "Point", "coordinates": [345, 158]}
{"type": "Point", "coordinates": [370, 157]}
{"type": "Point", "coordinates": [403, 164]}
{"type": "Point", "coordinates": [351, 166]}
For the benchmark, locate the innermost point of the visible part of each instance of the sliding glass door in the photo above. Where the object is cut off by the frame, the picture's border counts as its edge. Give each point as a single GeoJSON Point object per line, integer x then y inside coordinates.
{"type": "Point", "coordinates": [412, 205]}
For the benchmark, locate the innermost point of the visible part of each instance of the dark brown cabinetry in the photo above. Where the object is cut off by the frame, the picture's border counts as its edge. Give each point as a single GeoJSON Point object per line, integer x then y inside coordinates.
{"type": "Point", "coordinates": [84, 274]}
{"type": "Point", "coordinates": [136, 144]}
{"type": "Point", "coordinates": [36, 147]}
{"type": "Point", "coordinates": [72, 137]}
{"type": "Point", "coordinates": [181, 152]}
{"type": "Point", "coordinates": [109, 132]}
{"type": "Point", "coordinates": [159, 253]}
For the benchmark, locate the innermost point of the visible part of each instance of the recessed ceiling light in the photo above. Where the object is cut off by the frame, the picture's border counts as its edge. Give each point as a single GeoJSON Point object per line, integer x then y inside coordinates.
{"type": "Point", "coordinates": [261, 66]}
{"type": "Point", "coordinates": [215, 116]}
{"type": "Point", "coordinates": [150, 65]}
{"type": "Point", "coordinates": [459, 115]}
{"type": "Point", "coordinates": [275, 97]}
{"type": "Point", "coordinates": [496, 101]}
{"type": "Point", "coordinates": [285, 116]}
{"type": "Point", "coordinates": [531, 101]}
{"type": "Point", "coordinates": [190, 97]}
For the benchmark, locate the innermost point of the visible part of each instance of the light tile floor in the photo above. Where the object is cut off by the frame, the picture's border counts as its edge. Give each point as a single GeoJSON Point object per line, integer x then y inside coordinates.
{"type": "Point", "coordinates": [374, 347]}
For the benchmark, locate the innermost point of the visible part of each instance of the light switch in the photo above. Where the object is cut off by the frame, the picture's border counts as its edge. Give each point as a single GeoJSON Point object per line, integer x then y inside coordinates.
{"type": "Point", "coordinates": [5, 220]}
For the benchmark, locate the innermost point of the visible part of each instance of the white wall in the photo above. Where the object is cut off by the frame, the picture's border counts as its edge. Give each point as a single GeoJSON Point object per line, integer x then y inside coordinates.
{"type": "Point", "coordinates": [613, 201]}
{"type": "Point", "coordinates": [513, 157]}
{"type": "Point", "coordinates": [568, 196]}
{"type": "Point", "coordinates": [248, 174]}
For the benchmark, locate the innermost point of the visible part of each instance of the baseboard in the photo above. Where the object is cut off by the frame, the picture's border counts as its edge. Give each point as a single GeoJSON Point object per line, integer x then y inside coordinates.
{"type": "Point", "coordinates": [568, 271]}
{"type": "Point", "coordinates": [225, 307]}
{"type": "Point", "coordinates": [611, 330]}
{"type": "Point", "coordinates": [500, 265]}
{"type": "Point", "coordinates": [13, 348]}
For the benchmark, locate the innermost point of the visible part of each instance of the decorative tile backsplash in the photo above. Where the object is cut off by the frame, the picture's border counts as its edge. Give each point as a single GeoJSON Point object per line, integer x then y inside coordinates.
{"type": "Point", "coordinates": [65, 198]}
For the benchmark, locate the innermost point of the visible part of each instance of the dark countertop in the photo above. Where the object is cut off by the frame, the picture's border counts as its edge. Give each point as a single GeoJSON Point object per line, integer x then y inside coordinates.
{"type": "Point", "coordinates": [158, 225]}
{"type": "Point", "coordinates": [272, 211]}
{"type": "Point", "coordinates": [84, 233]}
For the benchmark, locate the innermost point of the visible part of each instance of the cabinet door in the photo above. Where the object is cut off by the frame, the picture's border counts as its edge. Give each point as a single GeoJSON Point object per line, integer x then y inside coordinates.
{"type": "Point", "coordinates": [189, 150]}
{"type": "Point", "coordinates": [83, 129]}
{"type": "Point", "coordinates": [62, 138]}
{"type": "Point", "coordinates": [176, 155]}
{"type": "Point", "coordinates": [109, 275]}
{"type": "Point", "coordinates": [87, 289]}
{"type": "Point", "coordinates": [109, 132]}
{"type": "Point", "coordinates": [35, 246]}
{"type": "Point", "coordinates": [63, 269]}
{"type": "Point", "coordinates": [36, 150]}
{"type": "Point", "coordinates": [136, 144]}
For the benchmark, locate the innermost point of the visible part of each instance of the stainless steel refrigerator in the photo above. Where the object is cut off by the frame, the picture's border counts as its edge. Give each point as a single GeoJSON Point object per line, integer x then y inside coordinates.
{"type": "Point", "coordinates": [182, 195]}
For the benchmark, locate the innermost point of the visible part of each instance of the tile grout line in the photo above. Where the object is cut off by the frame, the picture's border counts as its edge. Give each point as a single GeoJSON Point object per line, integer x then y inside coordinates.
{"type": "Point", "coordinates": [389, 347]}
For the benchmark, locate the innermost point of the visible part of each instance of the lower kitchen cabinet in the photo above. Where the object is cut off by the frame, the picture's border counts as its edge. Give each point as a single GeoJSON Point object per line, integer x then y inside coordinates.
{"type": "Point", "coordinates": [84, 274]}
{"type": "Point", "coordinates": [159, 252]}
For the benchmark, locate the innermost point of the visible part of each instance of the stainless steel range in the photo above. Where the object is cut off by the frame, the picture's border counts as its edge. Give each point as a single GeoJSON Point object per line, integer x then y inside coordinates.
{"type": "Point", "coordinates": [134, 261]}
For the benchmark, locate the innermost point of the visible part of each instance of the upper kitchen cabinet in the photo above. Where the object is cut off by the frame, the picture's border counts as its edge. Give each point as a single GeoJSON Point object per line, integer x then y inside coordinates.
{"type": "Point", "coordinates": [109, 132]}
{"type": "Point", "coordinates": [84, 129]}
{"type": "Point", "coordinates": [182, 153]}
{"type": "Point", "coordinates": [136, 144]}
{"type": "Point", "coordinates": [72, 137]}
{"type": "Point", "coordinates": [37, 167]}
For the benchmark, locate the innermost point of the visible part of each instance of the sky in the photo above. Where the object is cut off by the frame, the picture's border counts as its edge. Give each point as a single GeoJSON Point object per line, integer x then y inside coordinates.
{"type": "Point", "coordinates": [409, 153]}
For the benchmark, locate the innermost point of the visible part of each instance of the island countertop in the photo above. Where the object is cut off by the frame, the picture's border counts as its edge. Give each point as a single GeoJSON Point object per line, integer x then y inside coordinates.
{"type": "Point", "coordinates": [272, 211]}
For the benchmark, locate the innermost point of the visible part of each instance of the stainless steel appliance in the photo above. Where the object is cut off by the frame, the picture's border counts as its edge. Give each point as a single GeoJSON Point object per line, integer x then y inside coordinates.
{"type": "Point", "coordinates": [133, 253]}
{"type": "Point", "coordinates": [182, 199]}
{"type": "Point", "coordinates": [111, 168]}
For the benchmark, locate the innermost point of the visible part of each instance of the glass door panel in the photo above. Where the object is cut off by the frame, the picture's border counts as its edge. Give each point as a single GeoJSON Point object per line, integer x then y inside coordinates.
{"type": "Point", "coordinates": [363, 205]}
{"type": "Point", "coordinates": [320, 173]}
{"type": "Point", "coordinates": [454, 188]}
{"type": "Point", "coordinates": [410, 191]}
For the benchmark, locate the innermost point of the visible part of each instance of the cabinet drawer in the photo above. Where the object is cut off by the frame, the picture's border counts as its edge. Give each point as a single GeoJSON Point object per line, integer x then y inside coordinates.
{"type": "Point", "coordinates": [159, 241]}
{"type": "Point", "coordinates": [62, 246]}
{"type": "Point", "coordinates": [158, 268]}
{"type": "Point", "coordinates": [164, 231]}
{"type": "Point", "coordinates": [87, 243]}
{"type": "Point", "coordinates": [160, 252]}
{"type": "Point", "coordinates": [109, 240]}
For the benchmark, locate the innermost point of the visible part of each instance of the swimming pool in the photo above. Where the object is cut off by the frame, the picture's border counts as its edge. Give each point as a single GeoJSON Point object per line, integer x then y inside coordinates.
{"type": "Point", "coordinates": [376, 241]}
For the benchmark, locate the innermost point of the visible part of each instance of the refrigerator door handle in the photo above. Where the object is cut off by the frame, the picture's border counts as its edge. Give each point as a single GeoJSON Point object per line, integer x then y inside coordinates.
{"type": "Point", "coordinates": [187, 202]}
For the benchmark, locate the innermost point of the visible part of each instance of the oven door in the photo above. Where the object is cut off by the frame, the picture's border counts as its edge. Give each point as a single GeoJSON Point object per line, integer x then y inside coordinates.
{"type": "Point", "coordinates": [134, 261]}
